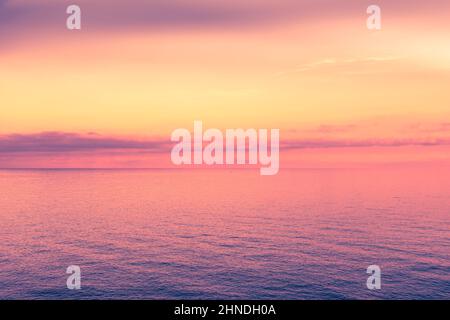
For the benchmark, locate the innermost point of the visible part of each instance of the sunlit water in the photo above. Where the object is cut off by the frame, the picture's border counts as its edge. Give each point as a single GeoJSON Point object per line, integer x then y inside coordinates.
{"type": "Point", "coordinates": [225, 234]}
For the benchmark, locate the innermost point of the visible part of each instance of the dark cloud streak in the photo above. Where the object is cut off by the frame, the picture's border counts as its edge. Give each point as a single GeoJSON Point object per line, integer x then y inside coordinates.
{"type": "Point", "coordinates": [61, 142]}
{"type": "Point", "coordinates": [72, 142]}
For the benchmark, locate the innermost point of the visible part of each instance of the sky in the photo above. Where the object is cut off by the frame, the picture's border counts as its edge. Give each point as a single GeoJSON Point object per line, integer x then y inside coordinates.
{"type": "Point", "coordinates": [110, 94]}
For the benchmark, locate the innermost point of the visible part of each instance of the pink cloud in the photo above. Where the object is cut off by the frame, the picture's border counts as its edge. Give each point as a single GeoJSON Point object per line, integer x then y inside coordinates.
{"type": "Point", "coordinates": [73, 150]}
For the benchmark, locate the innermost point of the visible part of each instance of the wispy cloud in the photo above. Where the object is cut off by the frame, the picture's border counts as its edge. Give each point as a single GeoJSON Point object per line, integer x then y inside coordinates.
{"type": "Point", "coordinates": [443, 127]}
{"type": "Point", "coordinates": [328, 129]}
{"type": "Point", "coordinates": [329, 143]}
{"type": "Point", "coordinates": [341, 64]}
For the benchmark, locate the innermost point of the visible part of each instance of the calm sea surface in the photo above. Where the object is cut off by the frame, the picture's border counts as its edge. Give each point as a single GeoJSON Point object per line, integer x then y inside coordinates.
{"type": "Point", "coordinates": [225, 234]}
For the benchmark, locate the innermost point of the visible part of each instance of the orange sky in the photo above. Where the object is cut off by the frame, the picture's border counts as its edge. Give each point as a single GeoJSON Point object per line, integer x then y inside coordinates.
{"type": "Point", "coordinates": [312, 69]}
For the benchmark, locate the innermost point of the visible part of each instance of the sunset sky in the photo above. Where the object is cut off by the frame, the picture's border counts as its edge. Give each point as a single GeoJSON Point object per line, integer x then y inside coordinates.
{"type": "Point", "coordinates": [110, 95]}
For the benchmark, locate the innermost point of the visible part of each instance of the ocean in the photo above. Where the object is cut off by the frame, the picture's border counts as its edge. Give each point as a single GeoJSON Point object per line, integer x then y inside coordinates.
{"type": "Point", "coordinates": [225, 234]}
